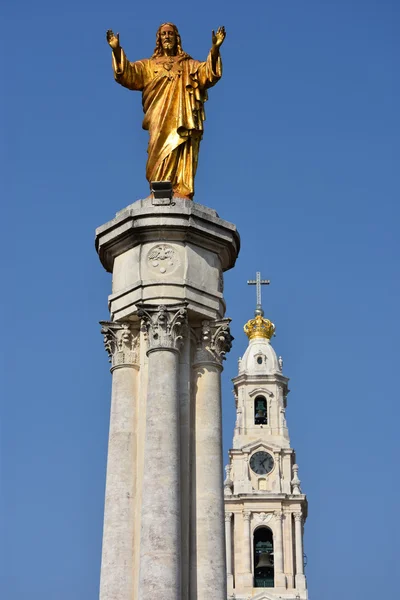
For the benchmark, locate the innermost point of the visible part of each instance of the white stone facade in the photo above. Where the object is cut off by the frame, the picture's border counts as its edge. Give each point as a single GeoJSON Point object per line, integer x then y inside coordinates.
{"type": "Point", "coordinates": [267, 504]}
{"type": "Point", "coordinates": [164, 529]}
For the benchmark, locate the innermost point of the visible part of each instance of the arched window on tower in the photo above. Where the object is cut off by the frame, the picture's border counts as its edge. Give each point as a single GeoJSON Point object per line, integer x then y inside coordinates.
{"type": "Point", "coordinates": [263, 557]}
{"type": "Point", "coordinates": [260, 411]}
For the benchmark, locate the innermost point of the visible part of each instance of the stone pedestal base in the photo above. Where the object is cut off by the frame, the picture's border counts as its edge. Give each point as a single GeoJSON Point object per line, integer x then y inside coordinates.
{"type": "Point", "coordinates": [290, 581]}
{"type": "Point", "coordinates": [229, 584]}
{"type": "Point", "coordinates": [245, 582]}
{"type": "Point", "coordinates": [300, 581]}
{"type": "Point", "coordinates": [167, 254]}
{"type": "Point", "coordinates": [280, 580]}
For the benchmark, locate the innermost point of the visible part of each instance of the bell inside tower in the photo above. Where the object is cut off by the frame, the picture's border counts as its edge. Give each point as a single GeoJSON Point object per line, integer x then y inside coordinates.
{"type": "Point", "coordinates": [260, 411]}
{"type": "Point", "coordinates": [263, 558]}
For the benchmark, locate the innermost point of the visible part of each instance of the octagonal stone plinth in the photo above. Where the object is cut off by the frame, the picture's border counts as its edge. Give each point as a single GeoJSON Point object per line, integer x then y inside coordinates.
{"type": "Point", "coordinates": [167, 254]}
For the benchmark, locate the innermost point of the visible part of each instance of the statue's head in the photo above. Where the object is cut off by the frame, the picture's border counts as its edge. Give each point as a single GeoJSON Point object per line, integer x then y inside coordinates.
{"type": "Point", "coordinates": [168, 41]}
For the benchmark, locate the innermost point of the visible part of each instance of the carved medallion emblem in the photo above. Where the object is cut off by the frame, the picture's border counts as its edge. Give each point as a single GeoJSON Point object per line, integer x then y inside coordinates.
{"type": "Point", "coordinates": [263, 517]}
{"type": "Point", "coordinates": [163, 258]}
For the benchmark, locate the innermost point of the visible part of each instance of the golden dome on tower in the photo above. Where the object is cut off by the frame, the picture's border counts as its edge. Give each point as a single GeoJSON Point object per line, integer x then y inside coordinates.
{"type": "Point", "coordinates": [259, 327]}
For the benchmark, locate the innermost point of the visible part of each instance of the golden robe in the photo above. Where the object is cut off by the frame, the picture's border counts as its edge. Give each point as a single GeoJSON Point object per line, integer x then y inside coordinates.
{"type": "Point", "coordinates": [174, 90]}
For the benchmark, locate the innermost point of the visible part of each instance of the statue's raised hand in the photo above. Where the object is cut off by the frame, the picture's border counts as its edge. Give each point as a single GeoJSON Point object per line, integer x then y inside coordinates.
{"type": "Point", "coordinates": [218, 38]}
{"type": "Point", "coordinates": [113, 39]}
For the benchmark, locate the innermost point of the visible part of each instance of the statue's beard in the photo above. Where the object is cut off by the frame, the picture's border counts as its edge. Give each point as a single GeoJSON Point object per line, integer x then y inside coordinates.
{"type": "Point", "coordinates": [169, 47]}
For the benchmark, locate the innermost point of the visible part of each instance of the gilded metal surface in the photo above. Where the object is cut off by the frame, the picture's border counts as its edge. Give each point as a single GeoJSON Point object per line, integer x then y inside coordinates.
{"type": "Point", "coordinates": [174, 89]}
{"type": "Point", "coordinates": [259, 327]}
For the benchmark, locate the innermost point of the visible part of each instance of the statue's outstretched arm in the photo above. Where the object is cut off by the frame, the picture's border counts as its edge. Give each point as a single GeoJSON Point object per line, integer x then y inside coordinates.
{"type": "Point", "coordinates": [210, 71]}
{"type": "Point", "coordinates": [113, 40]}
{"type": "Point", "coordinates": [130, 75]}
{"type": "Point", "coordinates": [217, 41]}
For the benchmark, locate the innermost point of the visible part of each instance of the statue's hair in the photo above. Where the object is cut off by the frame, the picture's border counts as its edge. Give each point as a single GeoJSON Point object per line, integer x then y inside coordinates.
{"type": "Point", "coordinates": [158, 50]}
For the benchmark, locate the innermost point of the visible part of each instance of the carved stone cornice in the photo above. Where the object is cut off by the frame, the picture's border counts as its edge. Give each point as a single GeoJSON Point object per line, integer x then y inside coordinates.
{"type": "Point", "coordinates": [121, 343]}
{"type": "Point", "coordinates": [214, 340]}
{"type": "Point", "coordinates": [164, 326]}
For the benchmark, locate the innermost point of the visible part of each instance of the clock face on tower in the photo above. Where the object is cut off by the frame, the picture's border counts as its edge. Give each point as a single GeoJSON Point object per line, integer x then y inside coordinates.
{"type": "Point", "coordinates": [261, 463]}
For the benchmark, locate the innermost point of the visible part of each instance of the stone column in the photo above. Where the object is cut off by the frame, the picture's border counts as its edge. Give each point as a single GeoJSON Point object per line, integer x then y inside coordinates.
{"type": "Point", "coordinates": [185, 372]}
{"type": "Point", "coordinates": [288, 548]}
{"type": "Point", "coordinates": [160, 536]}
{"type": "Point", "coordinates": [280, 579]}
{"type": "Point", "coordinates": [247, 543]}
{"type": "Point", "coordinates": [300, 578]}
{"type": "Point", "coordinates": [214, 340]}
{"type": "Point", "coordinates": [121, 343]}
{"type": "Point", "coordinates": [228, 540]}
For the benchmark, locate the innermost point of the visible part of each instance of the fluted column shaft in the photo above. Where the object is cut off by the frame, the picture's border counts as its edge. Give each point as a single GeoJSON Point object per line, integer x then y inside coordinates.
{"type": "Point", "coordinates": [228, 552]}
{"type": "Point", "coordinates": [228, 541]}
{"type": "Point", "coordinates": [160, 546]}
{"type": "Point", "coordinates": [280, 580]}
{"type": "Point", "coordinates": [298, 523]}
{"type": "Point", "coordinates": [246, 542]}
{"type": "Point", "coordinates": [299, 543]}
{"type": "Point", "coordinates": [214, 341]}
{"type": "Point", "coordinates": [118, 533]}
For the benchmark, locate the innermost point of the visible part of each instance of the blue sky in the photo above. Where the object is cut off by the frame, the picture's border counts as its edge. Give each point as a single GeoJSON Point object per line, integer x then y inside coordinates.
{"type": "Point", "coordinates": [301, 152]}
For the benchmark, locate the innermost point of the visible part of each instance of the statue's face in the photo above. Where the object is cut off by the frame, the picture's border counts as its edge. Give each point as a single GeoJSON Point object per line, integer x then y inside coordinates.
{"type": "Point", "coordinates": [168, 38]}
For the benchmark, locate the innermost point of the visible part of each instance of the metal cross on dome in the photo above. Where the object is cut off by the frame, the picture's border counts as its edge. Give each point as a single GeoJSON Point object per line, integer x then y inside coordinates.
{"type": "Point", "coordinates": [258, 282]}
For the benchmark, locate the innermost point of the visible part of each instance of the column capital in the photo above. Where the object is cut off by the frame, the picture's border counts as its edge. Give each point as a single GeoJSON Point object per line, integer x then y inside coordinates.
{"type": "Point", "coordinates": [278, 515]}
{"type": "Point", "coordinates": [121, 343]}
{"type": "Point", "coordinates": [247, 515]}
{"type": "Point", "coordinates": [214, 340]}
{"type": "Point", "coordinates": [298, 517]}
{"type": "Point", "coordinates": [228, 517]}
{"type": "Point", "coordinates": [164, 326]}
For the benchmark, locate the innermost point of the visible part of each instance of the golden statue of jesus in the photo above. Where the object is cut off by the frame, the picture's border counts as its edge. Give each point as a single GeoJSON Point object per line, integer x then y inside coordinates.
{"type": "Point", "coordinates": [174, 89]}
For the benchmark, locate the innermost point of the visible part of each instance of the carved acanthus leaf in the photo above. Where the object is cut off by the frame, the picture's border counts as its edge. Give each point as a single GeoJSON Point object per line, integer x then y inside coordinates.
{"type": "Point", "coordinates": [298, 516]}
{"type": "Point", "coordinates": [214, 341]}
{"type": "Point", "coordinates": [228, 517]}
{"type": "Point", "coordinates": [164, 326]}
{"type": "Point", "coordinates": [121, 342]}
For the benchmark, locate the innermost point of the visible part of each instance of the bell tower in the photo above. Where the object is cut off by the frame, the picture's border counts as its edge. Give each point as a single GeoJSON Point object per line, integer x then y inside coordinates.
{"type": "Point", "coordinates": [265, 509]}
